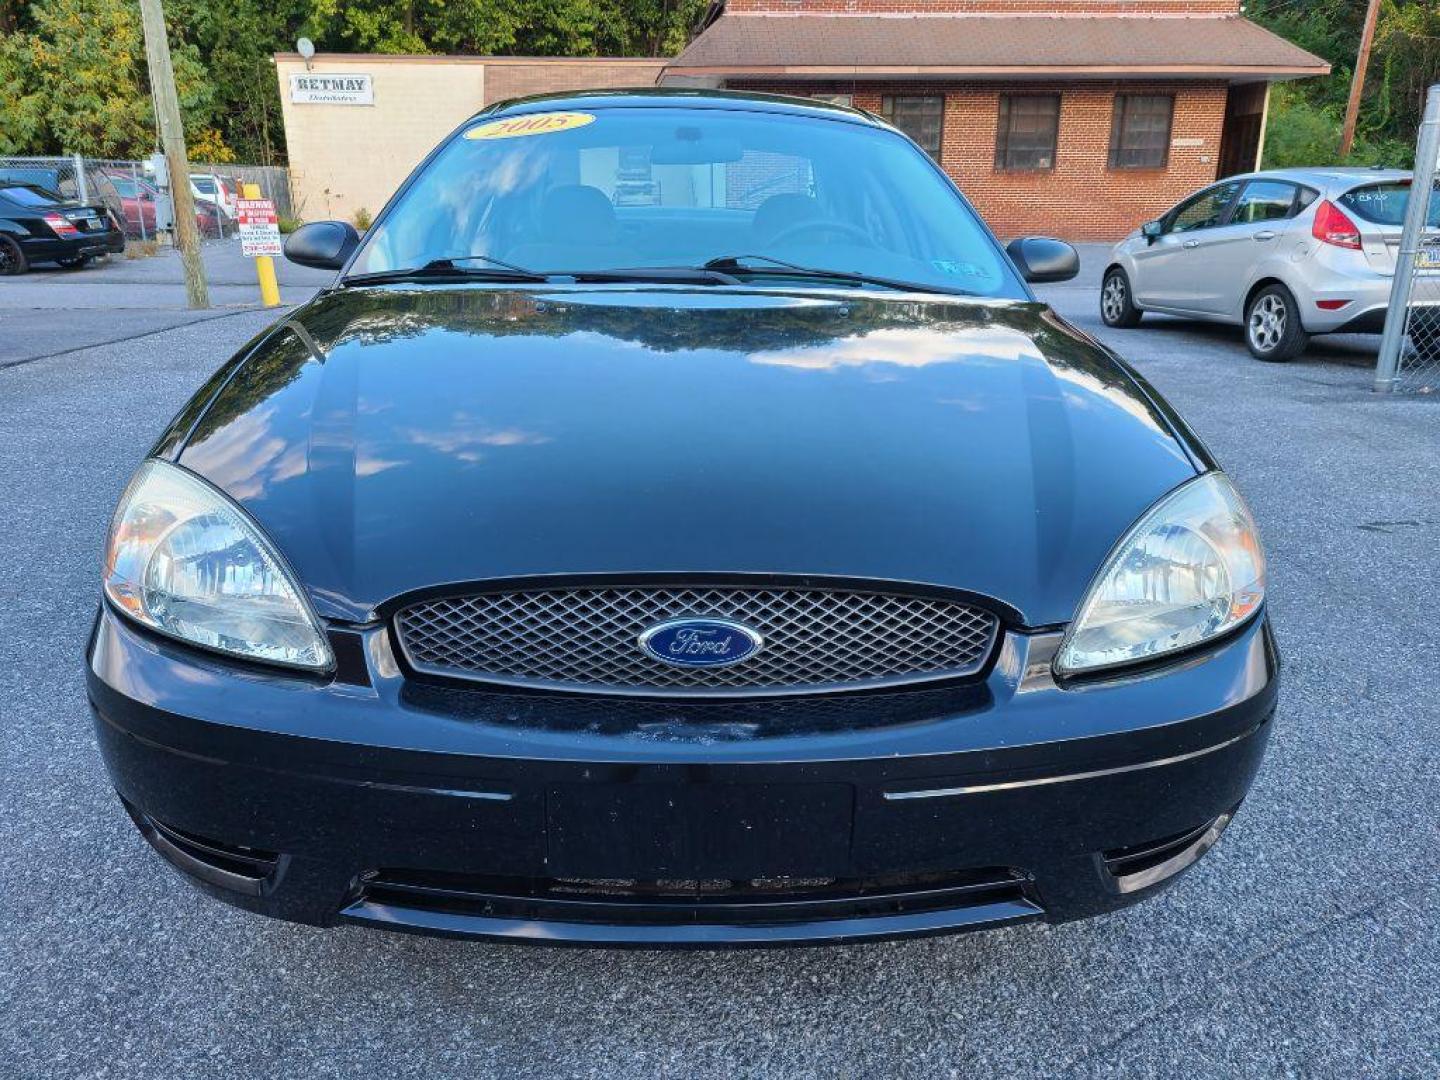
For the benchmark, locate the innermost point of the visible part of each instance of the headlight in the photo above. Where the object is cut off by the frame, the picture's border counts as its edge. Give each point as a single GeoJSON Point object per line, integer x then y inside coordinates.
{"type": "Point", "coordinates": [1190, 569]}
{"type": "Point", "coordinates": [184, 560]}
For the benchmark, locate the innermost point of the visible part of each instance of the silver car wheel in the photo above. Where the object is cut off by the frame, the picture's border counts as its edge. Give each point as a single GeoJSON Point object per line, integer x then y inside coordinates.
{"type": "Point", "coordinates": [1267, 322]}
{"type": "Point", "coordinates": [1112, 298]}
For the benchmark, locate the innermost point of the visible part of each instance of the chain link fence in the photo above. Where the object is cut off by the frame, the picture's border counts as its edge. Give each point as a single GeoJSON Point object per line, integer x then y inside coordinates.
{"type": "Point", "coordinates": [1409, 359]}
{"type": "Point", "coordinates": [129, 190]}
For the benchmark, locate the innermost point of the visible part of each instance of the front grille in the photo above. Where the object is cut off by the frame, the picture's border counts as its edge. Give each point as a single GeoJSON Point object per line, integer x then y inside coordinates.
{"type": "Point", "coordinates": [815, 639]}
{"type": "Point", "coordinates": [769, 901]}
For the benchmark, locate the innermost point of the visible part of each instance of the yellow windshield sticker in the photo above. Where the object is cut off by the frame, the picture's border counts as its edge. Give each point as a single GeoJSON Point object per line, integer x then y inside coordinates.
{"type": "Point", "coordinates": [516, 127]}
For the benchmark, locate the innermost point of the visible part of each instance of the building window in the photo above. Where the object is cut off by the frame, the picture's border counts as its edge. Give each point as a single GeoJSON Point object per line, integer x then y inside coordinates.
{"type": "Point", "coordinates": [1029, 127]}
{"type": "Point", "coordinates": [922, 118]}
{"type": "Point", "coordinates": [1140, 131]}
{"type": "Point", "coordinates": [848, 100]}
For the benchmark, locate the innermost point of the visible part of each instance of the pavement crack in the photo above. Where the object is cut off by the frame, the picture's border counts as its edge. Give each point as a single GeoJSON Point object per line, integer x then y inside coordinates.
{"type": "Point", "coordinates": [23, 360]}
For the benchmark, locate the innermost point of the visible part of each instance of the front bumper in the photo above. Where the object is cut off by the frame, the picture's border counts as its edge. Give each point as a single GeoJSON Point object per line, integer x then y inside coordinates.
{"type": "Point", "coordinates": [373, 798]}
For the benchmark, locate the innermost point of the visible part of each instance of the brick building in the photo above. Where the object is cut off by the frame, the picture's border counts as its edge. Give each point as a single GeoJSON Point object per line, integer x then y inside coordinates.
{"type": "Point", "coordinates": [1080, 118]}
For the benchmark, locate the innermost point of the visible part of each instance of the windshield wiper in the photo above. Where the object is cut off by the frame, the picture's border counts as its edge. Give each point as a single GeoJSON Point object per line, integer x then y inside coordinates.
{"type": "Point", "coordinates": [659, 275]}
{"type": "Point", "coordinates": [450, 267]}
{"type": "Point", "coordinates": [736, 264]}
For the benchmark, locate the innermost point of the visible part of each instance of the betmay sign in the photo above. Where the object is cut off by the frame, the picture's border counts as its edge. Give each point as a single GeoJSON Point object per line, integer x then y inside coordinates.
{"type": "Point", "coordinates": [315, 89]}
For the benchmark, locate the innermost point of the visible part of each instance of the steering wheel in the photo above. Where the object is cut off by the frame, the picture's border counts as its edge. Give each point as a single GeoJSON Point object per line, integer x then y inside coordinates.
{"type": "Point", "coordinates": [789, 232]}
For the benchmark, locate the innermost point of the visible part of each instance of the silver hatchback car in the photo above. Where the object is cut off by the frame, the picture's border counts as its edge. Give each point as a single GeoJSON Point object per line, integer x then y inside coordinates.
{"type": "Point", "coordinates": [1286, 253]}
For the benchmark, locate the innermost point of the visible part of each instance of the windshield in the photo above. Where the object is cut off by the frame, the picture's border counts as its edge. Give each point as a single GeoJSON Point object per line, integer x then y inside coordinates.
{"type": "Point", "coordinates": [41, 178]}
{"type": "Point", "coordinates": [1384, 204]}
{"type": "Point", "coordinates": [203, 184]}
{"type": "Point", "coordinates": [620, 188]}
{"type": "Point", "coordinates": [29, 195]}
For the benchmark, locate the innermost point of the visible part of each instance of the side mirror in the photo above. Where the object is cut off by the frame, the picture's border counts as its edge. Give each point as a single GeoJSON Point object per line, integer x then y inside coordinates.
{"type": "Point", "coordinates": [1151, 231]}
{"type": "Point", "coordinates": [325, 245]}
{"type": "Point", "coordinates": [1042, 259]}
{"type": "Point", "coordinates": [145, 196]}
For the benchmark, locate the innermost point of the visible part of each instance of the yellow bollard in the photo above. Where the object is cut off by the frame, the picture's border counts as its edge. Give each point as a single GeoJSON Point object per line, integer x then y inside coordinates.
{"type": "Point", "coordinates": [264, 264]}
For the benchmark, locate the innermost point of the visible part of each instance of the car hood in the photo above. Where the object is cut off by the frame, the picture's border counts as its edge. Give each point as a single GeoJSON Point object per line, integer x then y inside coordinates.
{"type": "Point", "coordinates": [391, 439]}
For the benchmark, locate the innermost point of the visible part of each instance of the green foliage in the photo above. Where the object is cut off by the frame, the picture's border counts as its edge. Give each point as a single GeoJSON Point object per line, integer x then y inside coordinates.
{"type": "Point", "coordinates": [238, 39]}
{"type": "Point", "coordinates": [73, 76]}
{"type": "Point", "coordinates": [519, 27]}
{"type": "Point", "coordinates": [1302, 133]}
{"type": "Point", "coordinates": [75, 80]}
{"type": "Point", "coordinates": [362, 219]}
{"type": "Point", "coordinates": [1306, 116]}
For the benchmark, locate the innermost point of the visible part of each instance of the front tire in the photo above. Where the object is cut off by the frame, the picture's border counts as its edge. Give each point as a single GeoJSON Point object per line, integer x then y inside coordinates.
{"type": "Point", "coordinates": [12, 259]}
{"type": "Point", "coordinates": [1273, 332]}
{"type": "Point", "coordinates": [1117, 304]}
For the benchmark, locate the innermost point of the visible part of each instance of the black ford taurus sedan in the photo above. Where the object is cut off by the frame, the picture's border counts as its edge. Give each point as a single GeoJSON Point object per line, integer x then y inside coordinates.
{"type": "Point", "coordinates": [679, 524]}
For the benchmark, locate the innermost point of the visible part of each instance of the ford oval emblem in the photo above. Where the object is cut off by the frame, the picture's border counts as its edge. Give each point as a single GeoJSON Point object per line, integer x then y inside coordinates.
{"type": "Point", "coordinates": [701, 642]}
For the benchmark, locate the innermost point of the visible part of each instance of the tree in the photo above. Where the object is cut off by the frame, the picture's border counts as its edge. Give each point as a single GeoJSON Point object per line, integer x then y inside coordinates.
{"type": "Point", "coordinates": [75, 81]}
{"type": "Point", "coordinates": [1305, 117]}
{"type": "Point", "coordinates": [237, 39]}
{"type": "Point", "coordinates": [649, 27]}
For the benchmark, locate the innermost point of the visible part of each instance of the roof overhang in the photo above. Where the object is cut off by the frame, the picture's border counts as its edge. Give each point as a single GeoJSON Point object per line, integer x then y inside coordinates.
{"type": "Point", "coordinates": [990, 48]}
{"type": "Point", "coordinates": [996, 72]}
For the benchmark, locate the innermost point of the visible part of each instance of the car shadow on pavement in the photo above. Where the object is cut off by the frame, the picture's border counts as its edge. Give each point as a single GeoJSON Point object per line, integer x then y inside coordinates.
{"type": "Point", "coordinates": [1351, 350]}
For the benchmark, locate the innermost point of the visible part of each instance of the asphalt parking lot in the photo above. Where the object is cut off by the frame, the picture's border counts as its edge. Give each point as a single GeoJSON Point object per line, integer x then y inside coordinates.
{"type": "Point", "coordinates": [1304, 945]}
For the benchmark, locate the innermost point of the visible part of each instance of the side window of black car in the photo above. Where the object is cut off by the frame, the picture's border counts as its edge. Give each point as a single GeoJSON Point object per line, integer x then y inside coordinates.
{"type": "Point", "coordinates": [1202, 211]}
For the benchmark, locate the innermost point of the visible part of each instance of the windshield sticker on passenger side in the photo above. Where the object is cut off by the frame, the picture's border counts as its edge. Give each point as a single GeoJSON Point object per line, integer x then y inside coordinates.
{"type": "Point", "coordinates": [516, 127]}
{"type": "Point", "coordinates": [966, 269]}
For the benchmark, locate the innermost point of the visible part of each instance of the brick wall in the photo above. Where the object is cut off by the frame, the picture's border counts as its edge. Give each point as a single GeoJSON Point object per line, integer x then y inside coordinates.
{"type": "Point", "coordinates": [511, 78]}
{"type": "Point", "coordinates": [989, 7]}
{"type": "Point", "coordinates": [1081, 198]}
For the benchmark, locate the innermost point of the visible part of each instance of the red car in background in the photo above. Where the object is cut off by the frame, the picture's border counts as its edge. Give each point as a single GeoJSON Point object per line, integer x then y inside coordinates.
{"type": "Point", "coordinates": [134, 202]}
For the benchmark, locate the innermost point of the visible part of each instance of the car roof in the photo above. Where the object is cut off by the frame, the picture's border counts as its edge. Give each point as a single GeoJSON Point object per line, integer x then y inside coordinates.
{"type": "Point", "coordinates": [672, 97]}
{"type": "Point", "coordinates": [1329, 176]}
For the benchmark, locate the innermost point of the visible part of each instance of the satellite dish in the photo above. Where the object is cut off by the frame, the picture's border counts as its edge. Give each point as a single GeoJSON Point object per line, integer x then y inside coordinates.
{"type": "Point", "coordinates": [305, 47]}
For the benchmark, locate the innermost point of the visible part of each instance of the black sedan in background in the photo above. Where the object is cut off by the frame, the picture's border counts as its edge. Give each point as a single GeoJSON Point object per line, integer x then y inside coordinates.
{"type": "Point", "coordinates": [679, 524]}
{"type": "Point", "coordinates": [38, 225]}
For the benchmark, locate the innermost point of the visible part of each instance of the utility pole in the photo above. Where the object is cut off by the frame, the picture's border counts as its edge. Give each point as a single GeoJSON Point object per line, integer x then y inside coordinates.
{"type": "Point", "coordinates": [172, 142]}
{"type": "Point", "coordinates": [1357, 81]}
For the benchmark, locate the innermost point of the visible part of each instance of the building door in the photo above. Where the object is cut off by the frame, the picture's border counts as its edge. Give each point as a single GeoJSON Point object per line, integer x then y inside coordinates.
{"type": "Point", "coordinates": [1244, 125]}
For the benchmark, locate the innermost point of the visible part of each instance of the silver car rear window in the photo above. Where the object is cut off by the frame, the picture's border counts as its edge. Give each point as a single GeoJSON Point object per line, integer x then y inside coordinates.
{"type": "Point", "coordinates": [1384, 204]}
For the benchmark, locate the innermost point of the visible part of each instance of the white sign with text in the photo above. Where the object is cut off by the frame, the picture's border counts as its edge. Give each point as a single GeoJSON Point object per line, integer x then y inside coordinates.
{"type": "Point", "coordinates": [316, 89]}
{"type": "Point", "coordinates": [259, 227]}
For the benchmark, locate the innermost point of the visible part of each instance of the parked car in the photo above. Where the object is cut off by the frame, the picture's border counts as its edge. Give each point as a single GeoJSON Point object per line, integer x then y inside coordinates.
{"type": "Point", "coordinates": [218, 191]}
{"type": "Point", "coordinates": [1286, 253]}
{"type": "Point", "coordinates": [137, 198]}
{"type": "Point", "coordinates": [704, 572]}
{"type": "Point", "coordinates": [48, 177]}
{"type": "Point", "coordinates": [38, 225]}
